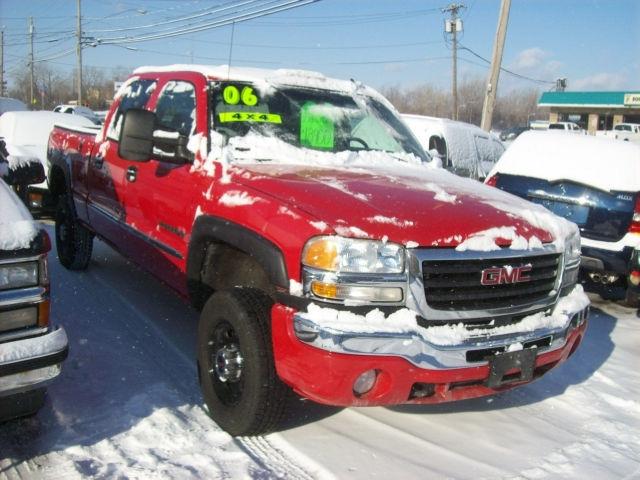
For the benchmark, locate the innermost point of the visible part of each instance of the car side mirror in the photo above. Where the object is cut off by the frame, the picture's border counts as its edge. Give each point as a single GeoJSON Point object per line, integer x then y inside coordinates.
{"type": "Point", "coordinates": [25, 174]}
{"type": "Point", "coordinates": [136, 135]}
{"type": "Point", "coordinates": [22, 173]}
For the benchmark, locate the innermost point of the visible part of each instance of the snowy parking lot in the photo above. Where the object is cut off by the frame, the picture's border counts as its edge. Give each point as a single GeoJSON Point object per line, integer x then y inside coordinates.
{"type": "Point", "coordinates": [128, 405]}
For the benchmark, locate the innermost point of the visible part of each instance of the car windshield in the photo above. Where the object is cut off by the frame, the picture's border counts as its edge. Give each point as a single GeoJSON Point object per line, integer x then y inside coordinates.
{"type": "Point", "coordinates": [556, 126]}
{"type": "Point", "coordinates": [311, 118]}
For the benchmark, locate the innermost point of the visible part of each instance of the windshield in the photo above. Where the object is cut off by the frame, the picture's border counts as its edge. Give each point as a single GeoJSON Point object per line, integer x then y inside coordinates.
{"type": "Point", "coordinates": [310, 118]}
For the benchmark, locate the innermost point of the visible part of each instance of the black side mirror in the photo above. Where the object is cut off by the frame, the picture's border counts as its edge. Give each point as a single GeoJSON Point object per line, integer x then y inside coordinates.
{"type": "Point", "coordinates": [22, 174]}
{"type": "Point", "coordinates": [136, 135]}
{"type": "Point", "coordinates": [26, 174]}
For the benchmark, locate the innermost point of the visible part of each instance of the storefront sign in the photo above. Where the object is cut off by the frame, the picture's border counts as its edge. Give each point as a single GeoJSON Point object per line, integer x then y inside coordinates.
{"type": "Point", "coordinates": [632, 99]}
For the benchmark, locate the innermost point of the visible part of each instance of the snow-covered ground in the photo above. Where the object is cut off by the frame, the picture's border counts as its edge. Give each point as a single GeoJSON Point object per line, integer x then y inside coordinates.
{"type": "Point", "coordinates": [127, 405]}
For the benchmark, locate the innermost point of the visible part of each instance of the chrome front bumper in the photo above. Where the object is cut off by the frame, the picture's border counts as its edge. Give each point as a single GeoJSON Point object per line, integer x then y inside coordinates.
{"type": "Point", "coordinates": [31, 362]}
{"type": "Point", "coordinates": [417, 345]}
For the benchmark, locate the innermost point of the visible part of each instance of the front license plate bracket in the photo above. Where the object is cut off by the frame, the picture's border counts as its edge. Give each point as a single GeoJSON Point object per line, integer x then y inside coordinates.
{"type": "Point", "coordinates": [501, 367]}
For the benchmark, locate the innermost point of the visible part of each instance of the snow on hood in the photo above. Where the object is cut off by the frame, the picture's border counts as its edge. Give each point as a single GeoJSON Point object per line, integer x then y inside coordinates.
{"type": "Point", "coordinates": [17, 228]}
{"type": "Point", "coordinates": [20, 156]}
{"type": "Point", "coordinates": [602, 163]}
{"type": "Point", "coordinates": [388, 195]}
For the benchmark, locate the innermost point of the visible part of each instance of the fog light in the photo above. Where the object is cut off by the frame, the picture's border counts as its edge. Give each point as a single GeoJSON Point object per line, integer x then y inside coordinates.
{"type": "Point", "coordinates": [356, 292]}
{"type": "Point", "coordinates": [365, 382]}
{"type": "Point", "coordinates": [634, 278]}
{"type": "Point", "coordinates": [18, 318]}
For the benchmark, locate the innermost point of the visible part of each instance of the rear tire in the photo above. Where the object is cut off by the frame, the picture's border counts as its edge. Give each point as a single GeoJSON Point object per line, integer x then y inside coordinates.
{"type": "Point", "coordinates": [632, 298]}
{"type": "Point", "coordinates": [74, 243]}
{"type": "Point", "coordinates": [235, 363]}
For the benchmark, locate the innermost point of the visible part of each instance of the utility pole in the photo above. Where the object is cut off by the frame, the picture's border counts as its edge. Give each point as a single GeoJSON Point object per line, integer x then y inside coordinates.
{"type": "Point", "coordinates": [2, 63]}
{"type": "Point", "coordinates": [496, 61]}
{"type": "Point", "coordinates": [453, 26]}
{"type": "Point", "coordinates": [79, 52]}
{"type": "Point", "coordinates": [31, 30]}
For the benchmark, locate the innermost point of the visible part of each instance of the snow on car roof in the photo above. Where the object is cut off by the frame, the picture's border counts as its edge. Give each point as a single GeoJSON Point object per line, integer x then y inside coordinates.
{"type": "Point", "coordinates": [282, 76]}
{"type": "Point", "coordinates": [17, 228]}
{"type": "Point", "coordinates": [603, 163]}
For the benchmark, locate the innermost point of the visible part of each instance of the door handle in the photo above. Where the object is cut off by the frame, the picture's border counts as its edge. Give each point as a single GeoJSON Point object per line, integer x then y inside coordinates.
{"type": "Point", "coordinates": [132, 173]}
{"type": "Point", "coordinates": [98, 160]}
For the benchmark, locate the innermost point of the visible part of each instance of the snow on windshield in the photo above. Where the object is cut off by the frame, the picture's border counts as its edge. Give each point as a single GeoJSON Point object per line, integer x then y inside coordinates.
{"type": "Point", "coordinates": [17, 228]}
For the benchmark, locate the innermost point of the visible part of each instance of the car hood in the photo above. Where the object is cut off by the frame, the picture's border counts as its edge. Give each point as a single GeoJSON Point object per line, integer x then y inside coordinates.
{"type": "Point", "coordinates": [409, 204]}
{"type": "Point", "coordinates": [17, 228]}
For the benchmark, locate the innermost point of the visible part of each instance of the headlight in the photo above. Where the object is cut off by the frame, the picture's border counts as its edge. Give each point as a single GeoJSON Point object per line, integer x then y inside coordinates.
{"type": "Point", "coordinates": [18, 275]}
{"type": "Point", "coordinates": [572, 250]}
{"type": "Point", "coordinates": [349, 255]}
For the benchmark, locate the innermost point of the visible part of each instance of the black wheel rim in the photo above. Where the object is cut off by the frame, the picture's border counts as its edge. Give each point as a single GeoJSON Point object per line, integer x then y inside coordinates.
{"type": "Point", "coordinates": [225, 363]}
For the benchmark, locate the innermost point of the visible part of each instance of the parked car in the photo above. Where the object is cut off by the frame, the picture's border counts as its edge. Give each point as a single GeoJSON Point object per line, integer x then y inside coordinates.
{"type": "Point", "coordinates": [79, 110]}
{"type": "Point", "coordinates": [26, 135]}
{"type": "Point", "coordinates": [568, 127]}
{"type": "Point", "coordinates": [629, 132]}
{"type": "Point", "coordinates": [592, 181]}
{"type": "Point", "coordinates": [463, 149]}
{"type": "Point", "coordinates": [11, 105]}
{"type": "Point", "coordinates": [32, 349]}
{"type": "Point", "coordinates": [326, 254]}
{"type": "Point", "coordinates": [512, 133]}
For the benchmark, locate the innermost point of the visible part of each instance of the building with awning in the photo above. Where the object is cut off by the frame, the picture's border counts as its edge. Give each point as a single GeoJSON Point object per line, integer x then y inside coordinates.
{"type": "Point", "coordinates": [593, 110]}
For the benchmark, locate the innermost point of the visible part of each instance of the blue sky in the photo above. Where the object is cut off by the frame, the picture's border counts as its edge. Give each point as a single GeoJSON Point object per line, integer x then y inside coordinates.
{"type": "Point", "coordinates": [594, 43]}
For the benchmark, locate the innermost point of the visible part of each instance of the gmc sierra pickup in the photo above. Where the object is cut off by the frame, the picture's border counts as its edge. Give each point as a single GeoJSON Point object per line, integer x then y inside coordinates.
{"type": "Point", "coordinates": [326, 254]}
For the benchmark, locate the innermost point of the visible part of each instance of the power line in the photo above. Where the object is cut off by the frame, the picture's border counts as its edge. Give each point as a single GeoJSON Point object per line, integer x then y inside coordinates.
{"type": "Point", "coordinates": [510, 72]}
{"type": "Point", "coordinates": [283, 6]}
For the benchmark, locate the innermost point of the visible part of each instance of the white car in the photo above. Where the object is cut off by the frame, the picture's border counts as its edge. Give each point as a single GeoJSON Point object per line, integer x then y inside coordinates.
{"type": "Point", "coordinates": [26, 135]}
{"type": "Point", "coordinates": [568, 127]}
{"type": "Point", "coordinates": [79, 110]}
{"type": "Point", "coordinates": [628, 132]}
{"type": "Point", "coordinates": [463, 148]}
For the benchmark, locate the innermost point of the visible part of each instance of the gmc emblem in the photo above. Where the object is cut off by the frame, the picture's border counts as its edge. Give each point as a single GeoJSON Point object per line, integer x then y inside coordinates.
{"type": "Point", "coordinates": [499, 275]}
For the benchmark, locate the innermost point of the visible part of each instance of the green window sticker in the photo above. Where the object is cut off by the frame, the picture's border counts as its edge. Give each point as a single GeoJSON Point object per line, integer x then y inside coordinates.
{"type": "Point", "coordinates": [226, 117]}
{"type": "Point", "coordinates": [317, 130]}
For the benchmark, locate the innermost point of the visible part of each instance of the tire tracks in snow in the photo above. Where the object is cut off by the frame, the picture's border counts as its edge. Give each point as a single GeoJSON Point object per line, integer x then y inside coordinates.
{"type": "Point", "coordinates": [275, 455]}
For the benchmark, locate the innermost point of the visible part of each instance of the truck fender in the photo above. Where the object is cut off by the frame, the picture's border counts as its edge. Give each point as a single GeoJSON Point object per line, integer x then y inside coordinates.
{"type": "Point", "coordinates": [209, 229]}
{"type": "Point", "coordinates": [59, 175]}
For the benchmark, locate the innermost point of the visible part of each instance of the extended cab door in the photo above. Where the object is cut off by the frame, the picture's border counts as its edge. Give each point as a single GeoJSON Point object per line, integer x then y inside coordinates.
{"type": "Point", "coordinates": [162, 193]}
{"type": "Point", "coordinates": [107, 201]}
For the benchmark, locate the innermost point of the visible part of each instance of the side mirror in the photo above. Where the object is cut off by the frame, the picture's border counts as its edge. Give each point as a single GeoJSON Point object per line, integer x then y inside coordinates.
{"type": "Point", "coordinates": [25, 174]}
{"type": "Point", "coordinates": [22, 173]}
{"type": "Point", "coordinates": [136, 135]}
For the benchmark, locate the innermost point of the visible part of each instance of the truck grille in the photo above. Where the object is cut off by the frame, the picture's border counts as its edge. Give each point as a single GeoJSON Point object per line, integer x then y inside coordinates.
{"type": "Point", "coordinates": [456, 284]}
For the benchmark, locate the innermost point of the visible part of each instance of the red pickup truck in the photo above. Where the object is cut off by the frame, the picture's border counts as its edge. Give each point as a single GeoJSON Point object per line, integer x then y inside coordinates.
{"type": "Point", "coordinates": [326, 254]}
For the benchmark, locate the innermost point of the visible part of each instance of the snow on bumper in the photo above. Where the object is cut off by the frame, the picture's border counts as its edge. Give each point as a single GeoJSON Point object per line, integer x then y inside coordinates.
{"type": "Point", "coordinates": [321, 355]}
{"type": "Point", "coordinates": [32, 362]}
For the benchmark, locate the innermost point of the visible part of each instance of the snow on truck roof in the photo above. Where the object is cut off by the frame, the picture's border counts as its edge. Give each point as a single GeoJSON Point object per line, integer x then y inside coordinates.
{"type": "Point", "coordinates": [282, 76]}
{"type": "Point", "coordinates": [603, 163]}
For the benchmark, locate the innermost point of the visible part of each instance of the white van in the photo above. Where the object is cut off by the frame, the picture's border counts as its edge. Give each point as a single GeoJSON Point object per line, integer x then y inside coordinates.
{"type": "Point", "coordinates": [464, 149]}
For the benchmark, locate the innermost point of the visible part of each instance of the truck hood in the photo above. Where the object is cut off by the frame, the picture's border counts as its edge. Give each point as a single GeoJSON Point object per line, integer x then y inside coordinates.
{"type": "Point", "coordinates": [408, 204]}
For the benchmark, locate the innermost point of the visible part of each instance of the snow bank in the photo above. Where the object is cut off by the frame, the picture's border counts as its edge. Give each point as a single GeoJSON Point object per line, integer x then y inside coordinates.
{"type": "Point", "coordinates": [17, 228]}
{"type": "Point", "coordinates": [599, 162]}
{"type": "Point", "coordinates": [404, 321]}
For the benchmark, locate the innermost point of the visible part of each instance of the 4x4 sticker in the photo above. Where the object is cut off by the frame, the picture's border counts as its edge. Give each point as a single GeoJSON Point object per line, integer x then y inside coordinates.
{"type": "Point", "coordinates": [226, 117]}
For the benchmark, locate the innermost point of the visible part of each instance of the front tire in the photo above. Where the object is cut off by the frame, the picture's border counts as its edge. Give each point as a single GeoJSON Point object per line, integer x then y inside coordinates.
{"type": "Point", "coordinates": [74, 243]}
{"type": "Point", "coordinates": [235, 363]}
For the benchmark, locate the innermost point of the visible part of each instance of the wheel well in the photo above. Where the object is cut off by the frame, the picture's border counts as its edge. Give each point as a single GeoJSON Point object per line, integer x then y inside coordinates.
{"type": "Point", "coordinates": [223, 266]}
{"type": "Point", "coordinates": [57, 182]}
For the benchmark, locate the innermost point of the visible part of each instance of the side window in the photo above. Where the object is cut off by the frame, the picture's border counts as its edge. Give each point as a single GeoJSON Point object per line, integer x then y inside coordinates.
{"type": "Point", "coordinates": [176, 107]}
{"type": "Point", "coordinates": [136, 95]}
